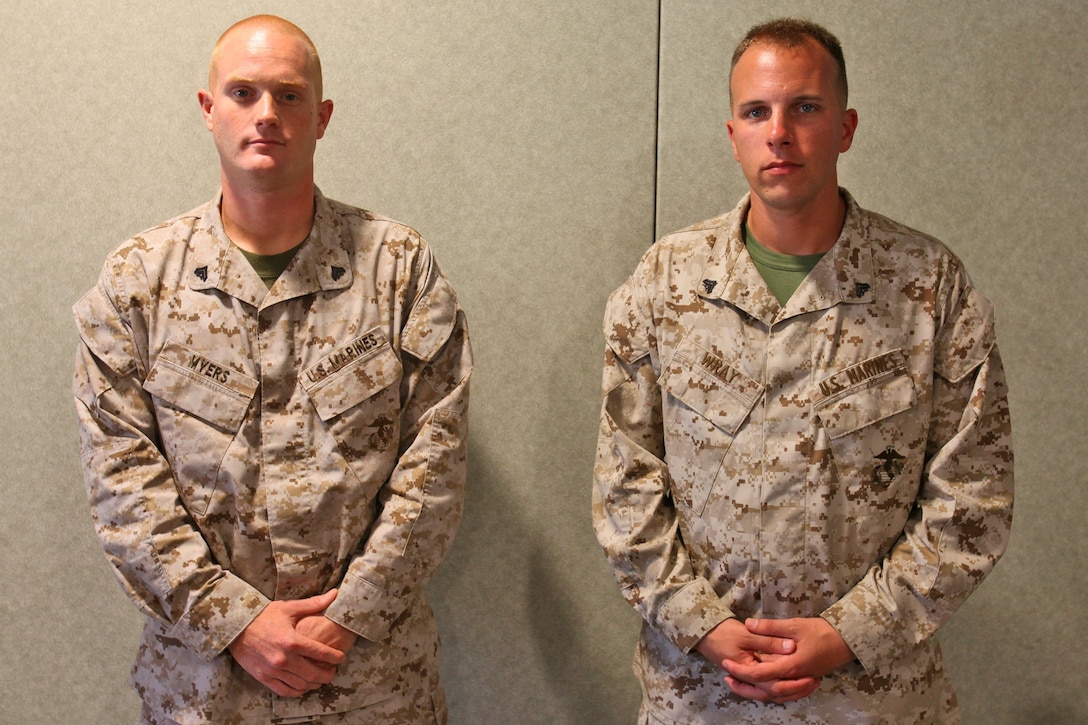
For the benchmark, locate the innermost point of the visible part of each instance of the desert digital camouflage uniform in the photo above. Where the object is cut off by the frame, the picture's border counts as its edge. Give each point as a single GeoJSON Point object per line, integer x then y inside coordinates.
{"type": "Point", "coordinates": [242, 444]}
{"type": "Point", "coordinates": [845, 456]}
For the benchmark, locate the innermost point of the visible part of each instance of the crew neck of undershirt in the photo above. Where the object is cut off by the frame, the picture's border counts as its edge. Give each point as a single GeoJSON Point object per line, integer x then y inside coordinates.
{"type": "Point", "coordinates": [270, 266]}
{"type": "Point", "coordinates": [783, 273]}
{"type": "Point", "coordinates": [776, 260]}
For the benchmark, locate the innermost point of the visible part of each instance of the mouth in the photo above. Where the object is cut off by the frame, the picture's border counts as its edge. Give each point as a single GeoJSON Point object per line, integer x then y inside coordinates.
{"type": "Point", "coordinates": [781, 167]}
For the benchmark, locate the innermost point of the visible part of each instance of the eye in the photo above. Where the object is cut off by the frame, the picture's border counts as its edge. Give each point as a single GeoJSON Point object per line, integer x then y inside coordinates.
{"type": "Point", "coordinates": [756, 113]}
{"type": "Point", "coordinates": [240, 93]}
{"type": "Point", "coordinates": [807, 108]}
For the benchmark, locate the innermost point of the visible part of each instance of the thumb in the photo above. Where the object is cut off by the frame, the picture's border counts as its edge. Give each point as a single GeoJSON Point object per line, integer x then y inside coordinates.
{"type": "Point", "coordinates": [310, 605]}
{"type": "Point", "coordinates": [755, 626]}
{"type": "Point", "coordinates": [769, 627]}
{"type": "Point", "coordinates": [778, 630]}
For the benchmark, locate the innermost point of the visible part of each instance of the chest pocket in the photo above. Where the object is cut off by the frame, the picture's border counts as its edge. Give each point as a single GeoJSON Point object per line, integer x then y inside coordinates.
{"type": "Point", "coordinates": [204, 402]}
{"type": "Point", "coordinates": [869, 413]}
{"type": "Point", "coordinates": [360, 370]}
{"type": "Point", "coordinates": [709, 400]}
{"type": "Point", "coordinates": [356, 393]}
{"type": "Point", "coordinates": [212, 391]}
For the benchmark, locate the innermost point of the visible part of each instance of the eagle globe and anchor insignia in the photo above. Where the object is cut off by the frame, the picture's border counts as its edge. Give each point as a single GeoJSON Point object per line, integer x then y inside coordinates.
{"type": "Point", "coordinates": [889, 468]}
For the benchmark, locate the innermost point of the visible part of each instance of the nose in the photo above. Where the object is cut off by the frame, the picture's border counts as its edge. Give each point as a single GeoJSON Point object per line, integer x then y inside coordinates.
{"type": "Point", "coordinates": [779, 131]}
{"type": "Point", "coordinates": [266, 110]}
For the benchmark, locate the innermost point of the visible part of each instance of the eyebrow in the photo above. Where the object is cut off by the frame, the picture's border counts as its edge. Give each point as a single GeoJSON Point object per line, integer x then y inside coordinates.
{"type": "Point", "coordinates": [804, 98]}
{"type": "Point", "coordinates": [254, 82]}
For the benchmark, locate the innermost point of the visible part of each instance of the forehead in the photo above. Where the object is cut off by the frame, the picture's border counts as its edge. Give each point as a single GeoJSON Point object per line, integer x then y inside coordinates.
{"type": "Point", "coordinates": [264, 53]}
{"type": "Point", "coordinates": [774, 69]}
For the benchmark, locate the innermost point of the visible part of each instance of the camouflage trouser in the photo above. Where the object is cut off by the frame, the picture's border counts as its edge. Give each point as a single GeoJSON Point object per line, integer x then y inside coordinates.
{"type": "Point", "coordinates": [391, 712]}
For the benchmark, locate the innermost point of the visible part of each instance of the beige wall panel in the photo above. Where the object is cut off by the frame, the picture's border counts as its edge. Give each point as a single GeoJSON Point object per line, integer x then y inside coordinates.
{"type": "Point", "coordinates": [517, 137]}
{"type": "Point", "coordinates": [972, 121]}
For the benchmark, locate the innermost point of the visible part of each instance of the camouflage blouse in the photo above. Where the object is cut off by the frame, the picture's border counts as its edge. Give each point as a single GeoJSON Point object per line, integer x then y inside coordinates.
{"type": "Point", "coordinates": [244, 444]}
{"type": "Point", "coordinates": [847, 455]}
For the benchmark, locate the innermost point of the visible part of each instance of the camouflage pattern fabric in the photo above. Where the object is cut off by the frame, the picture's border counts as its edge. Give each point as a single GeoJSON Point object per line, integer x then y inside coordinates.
{"type": "Point", "coordinates": [847, 456]}
{"type": "Point", "coordinates": [242, 444]}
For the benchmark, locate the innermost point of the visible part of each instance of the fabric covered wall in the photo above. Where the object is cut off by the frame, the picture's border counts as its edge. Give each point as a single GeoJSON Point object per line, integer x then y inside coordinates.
{"type": "Point", "coordinates": [540, 147]}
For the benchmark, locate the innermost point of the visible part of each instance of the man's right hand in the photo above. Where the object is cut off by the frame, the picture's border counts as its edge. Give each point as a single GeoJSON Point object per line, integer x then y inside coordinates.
{"type": "Point", "coordinates": [731, 640]}
{"type": "Point", "coordinates": [280, 658]}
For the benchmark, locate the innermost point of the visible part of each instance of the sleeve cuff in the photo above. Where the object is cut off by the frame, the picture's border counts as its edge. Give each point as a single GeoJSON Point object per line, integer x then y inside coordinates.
{"type": "Point", "coordinates": [365, 609]}
{"type": "Point", "coordinates": [867, 627]}
{"type": "Point", "coordinates": [691, 613]}
{"type": "Point", "coordinates": [211, 625]}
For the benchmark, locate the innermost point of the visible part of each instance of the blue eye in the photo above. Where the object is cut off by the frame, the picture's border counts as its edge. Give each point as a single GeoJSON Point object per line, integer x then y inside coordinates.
{"type": "Point", "coordinates": [807, 107]}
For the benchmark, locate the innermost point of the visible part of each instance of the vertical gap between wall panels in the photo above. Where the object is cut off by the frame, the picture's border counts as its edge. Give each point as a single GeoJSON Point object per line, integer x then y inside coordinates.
{"type": "Point", "coordinates": [657, 123]}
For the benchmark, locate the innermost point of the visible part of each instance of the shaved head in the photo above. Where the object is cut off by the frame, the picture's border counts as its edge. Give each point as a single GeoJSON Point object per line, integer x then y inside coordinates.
{"type": "Point", "coordinates": [273, 24]}
{"type": "Point", "coordinates": [264, 106]}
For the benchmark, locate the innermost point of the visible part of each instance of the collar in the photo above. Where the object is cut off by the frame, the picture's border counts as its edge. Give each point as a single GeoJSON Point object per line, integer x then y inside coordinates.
{"type": "Point", "coordinates": [215, 263]}
{"type": "Point", "coordinates": [843, 276]}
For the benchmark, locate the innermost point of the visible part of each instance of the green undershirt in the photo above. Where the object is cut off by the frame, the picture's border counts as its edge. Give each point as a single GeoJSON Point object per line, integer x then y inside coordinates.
{"type": "Point", "coordinates": [270, 266]}
{"type": "Point", "coordinates": [783, 273]}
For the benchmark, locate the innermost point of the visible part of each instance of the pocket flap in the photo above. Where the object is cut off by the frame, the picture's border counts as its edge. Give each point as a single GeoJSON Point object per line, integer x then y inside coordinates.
{"type": "Point", "coordinates": [212, 391]}
{"type": "Point", "coordinates": [708, 385]}
{"type": "Point", "coordinates": [864, 393]}
{"type": "Point", "coordinates": [352, 374]}
{"type": "Point", "coordinates": [431, 321]}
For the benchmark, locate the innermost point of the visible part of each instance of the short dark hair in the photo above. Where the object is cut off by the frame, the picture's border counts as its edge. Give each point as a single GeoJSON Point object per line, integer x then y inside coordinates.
{"type": "Point", "coordinates": [789, 33]}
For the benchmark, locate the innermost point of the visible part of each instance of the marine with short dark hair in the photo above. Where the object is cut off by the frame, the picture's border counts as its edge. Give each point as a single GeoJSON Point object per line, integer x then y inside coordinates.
{"type": "Point", "coordinates": [804, 464]}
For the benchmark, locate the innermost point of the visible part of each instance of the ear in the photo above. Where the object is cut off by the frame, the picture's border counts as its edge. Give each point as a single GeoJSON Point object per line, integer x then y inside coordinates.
{"type": "Point", "coordinates": [205, 99]}
{"type": "Point", "coordinates": [732, 142]}
{"type": "Point", "coordinates": [324, 113]}
{"type": "Point", "coordinates": [849, 125]}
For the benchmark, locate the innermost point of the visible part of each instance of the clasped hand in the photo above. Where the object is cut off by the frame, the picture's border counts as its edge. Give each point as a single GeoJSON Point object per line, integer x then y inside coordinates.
{"type": "Point", "coordinates": [291, 647]}
{"type": "Point", "coordinates": [775, 660]}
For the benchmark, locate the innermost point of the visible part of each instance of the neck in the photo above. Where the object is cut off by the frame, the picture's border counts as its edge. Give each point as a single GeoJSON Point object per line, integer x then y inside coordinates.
{"type": "Point", "coordinates": [267, 221]}
{"type": "Point", "coordinates": [811, 230]}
